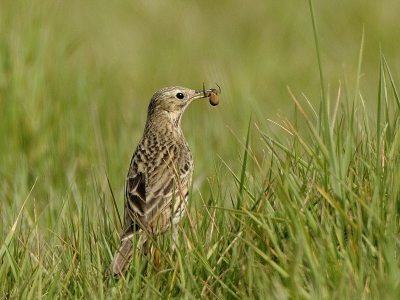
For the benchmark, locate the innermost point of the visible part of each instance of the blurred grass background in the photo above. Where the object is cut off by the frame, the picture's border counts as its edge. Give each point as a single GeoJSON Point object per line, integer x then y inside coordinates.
{"type": "Point", "coordinates": [76, 78]}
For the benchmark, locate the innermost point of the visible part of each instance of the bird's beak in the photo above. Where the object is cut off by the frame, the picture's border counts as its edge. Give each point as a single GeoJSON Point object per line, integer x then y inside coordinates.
{"type": "Point", "coordinates": [199, 94]}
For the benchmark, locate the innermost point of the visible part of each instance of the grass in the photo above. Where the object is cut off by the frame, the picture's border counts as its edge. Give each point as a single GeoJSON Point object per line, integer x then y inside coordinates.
{"type": "Point", "coordinates": [304, 206]}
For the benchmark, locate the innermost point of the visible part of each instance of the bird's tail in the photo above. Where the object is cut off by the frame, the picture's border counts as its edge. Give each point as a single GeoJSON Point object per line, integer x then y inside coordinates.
{"type": "Point", "coordinates": [122, 257]}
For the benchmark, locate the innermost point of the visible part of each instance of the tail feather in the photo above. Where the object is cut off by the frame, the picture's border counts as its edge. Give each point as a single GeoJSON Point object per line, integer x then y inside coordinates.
{"type": "Point", "coordinates": [122, 257]}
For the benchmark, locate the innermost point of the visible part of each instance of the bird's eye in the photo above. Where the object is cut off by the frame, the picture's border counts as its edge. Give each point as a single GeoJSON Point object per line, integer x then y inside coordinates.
{"type": "Point", "coordinates": [180, 96]}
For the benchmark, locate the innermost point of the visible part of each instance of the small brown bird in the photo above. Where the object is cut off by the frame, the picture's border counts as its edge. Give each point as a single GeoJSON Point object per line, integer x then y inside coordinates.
{"type": "Point", "coordinates": [159, 175]}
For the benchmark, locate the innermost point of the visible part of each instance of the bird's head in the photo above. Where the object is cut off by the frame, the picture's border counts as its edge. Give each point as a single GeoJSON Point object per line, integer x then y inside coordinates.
{"type": "Point", "coordinates": [173, 100]}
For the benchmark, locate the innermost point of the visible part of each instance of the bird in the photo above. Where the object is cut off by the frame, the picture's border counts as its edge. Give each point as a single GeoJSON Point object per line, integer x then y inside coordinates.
{"type": "Point", "coordinates": [159, 175]}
